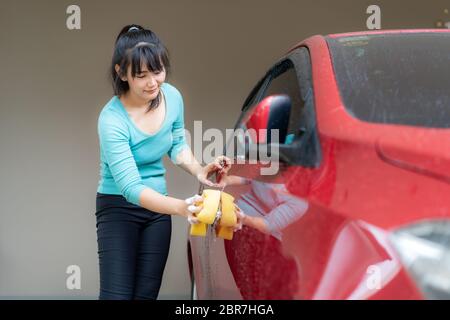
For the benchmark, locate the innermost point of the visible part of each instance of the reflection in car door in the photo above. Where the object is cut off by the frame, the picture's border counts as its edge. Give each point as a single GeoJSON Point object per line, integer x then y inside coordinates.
{"type": "Point", "coordinates": [254, 261]}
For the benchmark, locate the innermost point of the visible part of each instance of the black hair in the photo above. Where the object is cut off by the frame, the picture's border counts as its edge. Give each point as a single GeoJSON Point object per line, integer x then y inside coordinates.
{"type": "Point", "coordinates": [134, 46]}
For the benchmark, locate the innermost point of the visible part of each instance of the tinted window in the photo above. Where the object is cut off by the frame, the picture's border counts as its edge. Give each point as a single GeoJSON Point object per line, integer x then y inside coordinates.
{"type": "Point", "coordinates": [395, 78]}
{"type": "Point", "coordinates": [285, 81]}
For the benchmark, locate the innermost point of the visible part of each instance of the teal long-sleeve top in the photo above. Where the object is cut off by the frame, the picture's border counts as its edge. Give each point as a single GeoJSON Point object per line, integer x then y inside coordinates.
{"type": "Point", "coordinates": [132, 160]}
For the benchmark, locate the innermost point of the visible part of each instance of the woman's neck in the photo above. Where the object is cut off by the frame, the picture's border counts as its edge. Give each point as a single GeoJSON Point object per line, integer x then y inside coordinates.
{"type": "Point", "coordinates": [133, 102]}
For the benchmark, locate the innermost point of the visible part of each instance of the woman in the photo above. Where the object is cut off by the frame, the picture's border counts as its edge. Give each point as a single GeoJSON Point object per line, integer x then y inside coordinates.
{"type": "Point", "coordinates": [140, 125]}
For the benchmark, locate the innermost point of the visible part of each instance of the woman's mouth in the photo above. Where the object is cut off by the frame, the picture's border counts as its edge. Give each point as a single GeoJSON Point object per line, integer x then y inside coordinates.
{"type": "Point", "coordinates": [150, 91]}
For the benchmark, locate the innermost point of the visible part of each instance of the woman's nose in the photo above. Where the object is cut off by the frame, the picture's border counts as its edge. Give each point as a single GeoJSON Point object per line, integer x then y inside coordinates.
{"type": "Point", "coordinates": [152, 81]}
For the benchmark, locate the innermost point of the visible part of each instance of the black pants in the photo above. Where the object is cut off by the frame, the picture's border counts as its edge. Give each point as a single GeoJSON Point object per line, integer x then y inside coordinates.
{"type": "Point", "coordinates": [133, 245]}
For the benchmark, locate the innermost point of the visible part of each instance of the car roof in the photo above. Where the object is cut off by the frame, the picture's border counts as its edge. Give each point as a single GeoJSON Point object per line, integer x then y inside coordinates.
{"type": "Point", "coordinates": [387, 32]}
{"type": "Point", "coordinates": [315, 38]}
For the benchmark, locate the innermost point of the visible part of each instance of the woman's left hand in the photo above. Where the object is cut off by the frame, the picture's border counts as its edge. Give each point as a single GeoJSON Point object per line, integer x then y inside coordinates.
{"type": "Point", "coordinates": [241, 216]}
{"type": "Point", "coordinates": [221, 165]}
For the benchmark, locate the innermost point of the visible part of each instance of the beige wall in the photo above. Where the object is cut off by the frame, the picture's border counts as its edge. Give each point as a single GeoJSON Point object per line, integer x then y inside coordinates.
{"type": "Point", "coordinates": [54, 83]}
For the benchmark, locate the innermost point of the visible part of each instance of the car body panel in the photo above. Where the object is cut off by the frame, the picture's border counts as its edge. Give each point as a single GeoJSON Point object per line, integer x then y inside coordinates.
{"type": "Point", "coordinates": [340, 244]}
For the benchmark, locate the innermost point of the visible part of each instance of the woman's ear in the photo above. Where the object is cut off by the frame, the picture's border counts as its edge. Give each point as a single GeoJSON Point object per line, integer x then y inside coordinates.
{"type": "Point", "coordinates": [117, 67]}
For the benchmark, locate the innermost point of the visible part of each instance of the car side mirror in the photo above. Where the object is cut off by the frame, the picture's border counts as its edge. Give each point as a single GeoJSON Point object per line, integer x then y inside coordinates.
{"type": "Point", "coordinates": [255, 138]}
{"type": "Point", "coordinates": [272, 113]}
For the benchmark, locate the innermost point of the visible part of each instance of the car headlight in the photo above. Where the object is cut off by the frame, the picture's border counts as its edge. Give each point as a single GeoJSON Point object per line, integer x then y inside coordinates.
{"type": "Point", "coordinates": [424, 249]}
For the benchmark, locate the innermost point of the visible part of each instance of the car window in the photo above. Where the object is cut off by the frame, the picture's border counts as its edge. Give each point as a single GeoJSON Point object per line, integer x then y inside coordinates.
{"type": "Point", "coordinates": [255, 95]}
{"type": "Point", "coordinates": [291, 76]}
{"type": "Point", "coordinates": [280, 80]}
{"type": "Point", "coordinates": [395, 79]}
{"type": "Point", "coordinates": [284, 81]}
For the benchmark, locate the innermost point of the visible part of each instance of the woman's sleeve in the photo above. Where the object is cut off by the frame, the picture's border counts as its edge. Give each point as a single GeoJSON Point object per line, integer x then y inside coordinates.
{"type": "Point", "coordinates": [178, 134]}
{"type": "Point", "coordinates": [288, 210]}
{"type": "Point", "coordinates": [114, 143]}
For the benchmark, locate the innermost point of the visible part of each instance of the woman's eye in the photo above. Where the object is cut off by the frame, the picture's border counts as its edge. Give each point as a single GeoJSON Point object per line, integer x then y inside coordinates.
{"type": "Point", "coordinates": [143, 75]}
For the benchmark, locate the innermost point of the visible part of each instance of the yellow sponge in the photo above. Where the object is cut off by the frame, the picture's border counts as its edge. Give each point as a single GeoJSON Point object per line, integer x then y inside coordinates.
{"type": "Point", "coordinates": [224, 232]}
{"type": "Point", "coordinates": [210, 206]}
{"type": "Point", "coordinates": [198, 229]}
{"type": "Point", "coordinates": [228, 219]}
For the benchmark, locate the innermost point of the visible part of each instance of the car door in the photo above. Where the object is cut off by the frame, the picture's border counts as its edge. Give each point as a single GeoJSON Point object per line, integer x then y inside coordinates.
{"type": "Point", "coordinates": [254, 264]}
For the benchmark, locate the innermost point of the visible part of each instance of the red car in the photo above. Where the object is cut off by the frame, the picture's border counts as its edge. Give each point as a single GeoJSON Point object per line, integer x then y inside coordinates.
{"type": "Point", "coordinates": [360, 205]}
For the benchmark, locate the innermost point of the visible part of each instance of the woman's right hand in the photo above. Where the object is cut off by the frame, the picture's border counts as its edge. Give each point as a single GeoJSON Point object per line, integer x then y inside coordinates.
{"type": "Point", "coordinates": [193, 205]}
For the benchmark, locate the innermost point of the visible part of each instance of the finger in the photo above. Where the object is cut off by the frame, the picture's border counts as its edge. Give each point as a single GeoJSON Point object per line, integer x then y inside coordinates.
{"type": "Point", "coordinates": [204, 181]}
{"type": "Point", "coordinates": [209, 183]}
{"type": "Point", "coordinates": [226, 161]}
{"type": "Point", "coordinates": [220, 166]}
{"type": "Point", "coordinates": [198, 198]}
{"type": "Point", "coordinates": [189, 200]}
{"type": "Point", "coordinates": [211, 166]}
{"type": "Point", "coordinates": [220, 162]}
{"type": "Point", "coordinates": [194, 209]}
{"type": "Point", "coordinates": [194, 199]}
{"type": "Point", "coordinates": [221, 185]}
{"type": "Point", "coordinates": [193, 220]}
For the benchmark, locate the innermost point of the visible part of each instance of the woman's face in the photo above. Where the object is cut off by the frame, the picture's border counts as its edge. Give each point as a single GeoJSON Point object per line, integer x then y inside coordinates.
{"type": "Point", "coordinates": [146, 85]}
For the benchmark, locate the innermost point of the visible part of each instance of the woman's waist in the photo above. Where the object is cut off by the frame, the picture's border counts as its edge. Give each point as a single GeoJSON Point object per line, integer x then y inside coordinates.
{"type": "Point", "coordinates": [107, 185]}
